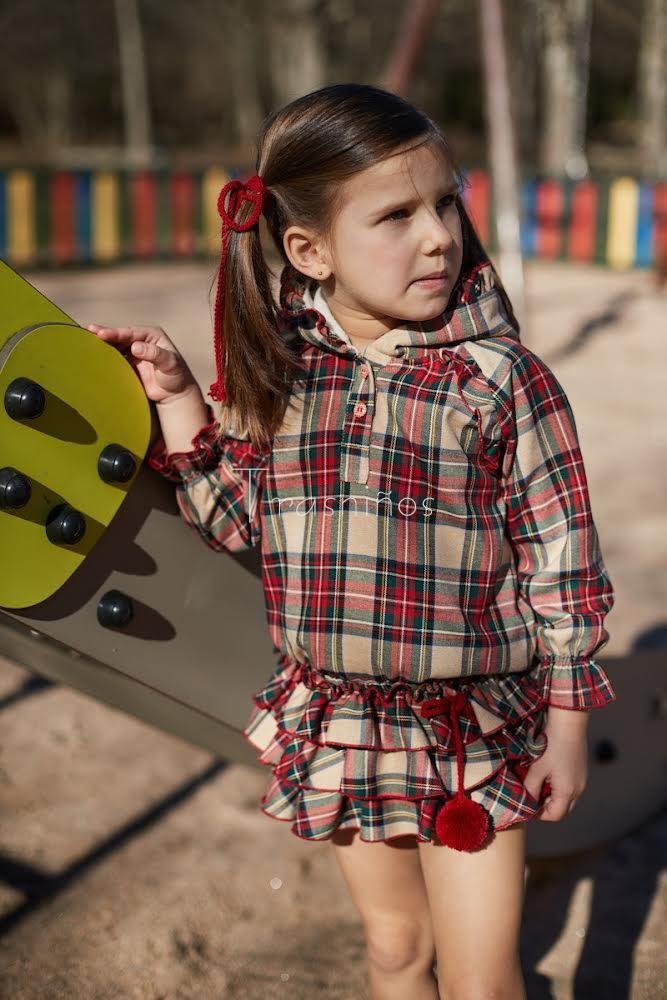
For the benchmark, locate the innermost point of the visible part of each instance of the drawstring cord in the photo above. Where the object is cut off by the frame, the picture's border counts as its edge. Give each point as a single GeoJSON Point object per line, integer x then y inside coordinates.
{"type": "Point", "coordinates": [462, 823]}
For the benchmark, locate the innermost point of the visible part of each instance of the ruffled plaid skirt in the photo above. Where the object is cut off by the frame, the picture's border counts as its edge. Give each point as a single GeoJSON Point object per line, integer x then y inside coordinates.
{"type": "Point", "coordinates": [380, 756]}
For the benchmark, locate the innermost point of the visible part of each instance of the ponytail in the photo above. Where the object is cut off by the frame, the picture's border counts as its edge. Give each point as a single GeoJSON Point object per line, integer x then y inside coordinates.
{"type": "Point", "coordinates": [255, 365]}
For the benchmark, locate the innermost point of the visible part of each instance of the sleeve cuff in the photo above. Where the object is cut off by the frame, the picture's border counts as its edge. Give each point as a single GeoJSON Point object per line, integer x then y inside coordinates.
{"type": "Point", "coordinates": [210, 448]}
{"type": "Point", "coordinates": [576, 685]}
{"type": "Point", "coordinates": [177, 465]}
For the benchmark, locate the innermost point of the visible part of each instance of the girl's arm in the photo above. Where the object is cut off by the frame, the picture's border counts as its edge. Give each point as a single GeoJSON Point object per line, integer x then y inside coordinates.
{"type": "Point", "coordinates": [181, 417]}
{"type": "Point", "coordinates": [218, 477]}
{"type": "Point", "coordinates": [551, 529]}
{"type": "Point", "coordinates": [560, 571]}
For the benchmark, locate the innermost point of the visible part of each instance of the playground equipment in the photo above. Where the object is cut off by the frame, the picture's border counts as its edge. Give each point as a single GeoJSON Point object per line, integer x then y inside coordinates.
{"type": "Point", "coordinates": [106, 589]}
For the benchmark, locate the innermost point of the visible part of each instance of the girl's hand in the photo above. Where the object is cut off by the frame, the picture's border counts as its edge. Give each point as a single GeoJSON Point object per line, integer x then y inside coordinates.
{"type": "Point", "coordinates": [564, 763]}
{"type": "Point", "coordinates": [161, 369]}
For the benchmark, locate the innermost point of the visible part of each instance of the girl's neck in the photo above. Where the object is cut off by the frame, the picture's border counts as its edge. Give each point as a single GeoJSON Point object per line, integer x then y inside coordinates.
{"type": "Point", "coordinates": [361, 330]}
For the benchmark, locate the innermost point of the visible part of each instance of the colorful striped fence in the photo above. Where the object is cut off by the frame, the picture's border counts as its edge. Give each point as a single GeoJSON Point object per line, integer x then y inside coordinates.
{"type": "Point", "coordinates": [619, 222]}
{"type": "Point", "coordinates": [59, 217]}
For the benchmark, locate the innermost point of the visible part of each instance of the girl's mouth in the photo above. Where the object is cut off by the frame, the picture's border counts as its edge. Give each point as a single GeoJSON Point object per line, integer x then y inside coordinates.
{"type": "Point", "coordinates": [434, 284]}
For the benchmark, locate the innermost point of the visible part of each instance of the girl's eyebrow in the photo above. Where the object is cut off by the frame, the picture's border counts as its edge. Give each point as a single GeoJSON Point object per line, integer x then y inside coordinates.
{"type": "Point", "coordinates": [388, 209]}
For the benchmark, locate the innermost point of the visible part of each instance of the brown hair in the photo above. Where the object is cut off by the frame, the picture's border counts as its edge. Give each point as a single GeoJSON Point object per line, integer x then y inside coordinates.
{"type": "Point", "coordinates": [306, 150]}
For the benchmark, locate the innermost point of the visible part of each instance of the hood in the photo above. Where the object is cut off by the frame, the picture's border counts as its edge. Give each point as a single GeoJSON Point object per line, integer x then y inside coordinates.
{"type": "Point", "coordinates": [475, 310]}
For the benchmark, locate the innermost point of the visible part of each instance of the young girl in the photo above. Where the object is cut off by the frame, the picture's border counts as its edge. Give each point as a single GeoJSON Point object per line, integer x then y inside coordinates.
{"type": "Point", "coordinates": [434, 584]}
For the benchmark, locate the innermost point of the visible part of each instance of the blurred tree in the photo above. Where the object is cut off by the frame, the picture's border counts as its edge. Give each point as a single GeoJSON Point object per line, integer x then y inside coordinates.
{"type": "Point", "coordinates": [566, 26]}
{"type": "Point", "coordinates": [207, 75]}
{"type": "Point", "coordinates": [136, 112]}
{"type": "Point", "coordinates": [295, 53]}
{"type": "Point", "coordinates": [652, 90]}
{"type": "Point", "coordinates": [410, 41]}
{"type": "Point", "coordinates": [244, 60]}
{"type": "Point", "coordinates": [502, 152]}
{"type": "Point", "coordinates": [214, 68]}
{"type": "Point", "coordinates": [524, 43]}
{"type": "Point", "coordinates": [41, 101]}
{"type": "Point", "coordinates": [51, 62]}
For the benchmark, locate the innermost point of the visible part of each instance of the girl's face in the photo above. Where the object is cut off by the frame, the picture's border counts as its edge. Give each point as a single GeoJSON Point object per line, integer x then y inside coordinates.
{"type": "Point", "coordinates": [398, 223]}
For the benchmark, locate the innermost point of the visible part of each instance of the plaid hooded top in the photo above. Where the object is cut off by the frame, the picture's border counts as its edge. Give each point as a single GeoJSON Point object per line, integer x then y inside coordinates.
{"type": "Point", "coordinates": [423, 510]}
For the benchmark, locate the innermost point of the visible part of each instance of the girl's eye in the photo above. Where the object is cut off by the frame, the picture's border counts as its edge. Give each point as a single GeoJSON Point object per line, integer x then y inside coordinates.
{"type": "Point", "coordinates": [449, 198]}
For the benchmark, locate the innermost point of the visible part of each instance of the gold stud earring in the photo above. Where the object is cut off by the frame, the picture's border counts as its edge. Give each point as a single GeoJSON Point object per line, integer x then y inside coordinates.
{"type": "Point", "coordinates": [320, 273]}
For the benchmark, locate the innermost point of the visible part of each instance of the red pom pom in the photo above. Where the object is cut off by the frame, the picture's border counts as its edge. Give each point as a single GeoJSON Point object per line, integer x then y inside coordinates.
{"type": "Point", "coordinates": [462, 823]}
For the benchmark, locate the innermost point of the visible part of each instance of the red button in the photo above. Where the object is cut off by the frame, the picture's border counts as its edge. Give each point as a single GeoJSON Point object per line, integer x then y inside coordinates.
{"type": "Point", "coordinates": [364, 371]}
{"type": "Point", "coordinates": [359, 409]}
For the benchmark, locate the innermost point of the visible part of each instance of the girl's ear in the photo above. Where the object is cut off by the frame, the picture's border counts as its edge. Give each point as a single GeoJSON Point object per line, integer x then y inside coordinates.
{"type": "Point", "coordinates": [305, 252]}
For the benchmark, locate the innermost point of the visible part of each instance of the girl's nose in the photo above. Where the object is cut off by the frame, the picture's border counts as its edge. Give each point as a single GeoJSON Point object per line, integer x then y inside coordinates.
{"type": "Point", "coordinates": [437, 235]}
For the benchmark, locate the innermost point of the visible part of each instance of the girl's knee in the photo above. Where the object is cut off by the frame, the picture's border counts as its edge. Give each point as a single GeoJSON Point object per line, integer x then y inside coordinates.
{"type": "Point", "coordinates": [394, 945]}
{"type": "Point", "coordinates": [454, 985]}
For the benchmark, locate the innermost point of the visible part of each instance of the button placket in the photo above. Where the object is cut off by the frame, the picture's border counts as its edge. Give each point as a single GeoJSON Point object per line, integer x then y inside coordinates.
{"type": "Point", "coordinates": [363, 385]}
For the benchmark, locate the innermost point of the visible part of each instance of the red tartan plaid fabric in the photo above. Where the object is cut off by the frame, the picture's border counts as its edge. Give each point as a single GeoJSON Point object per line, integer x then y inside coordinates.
{"type": "Point", "coordinates": [425, 528]}
{"type": "Point", "coordinates": [423, 510]}
{"type": "Point", "coordinates": [361, 755]}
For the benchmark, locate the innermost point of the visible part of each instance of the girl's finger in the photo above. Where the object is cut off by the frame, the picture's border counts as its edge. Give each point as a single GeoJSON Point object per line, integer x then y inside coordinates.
{"type": "Point", "coordinates": [104, 332]}
{"type": "Point", "coordinates": [119, 334]}
{"type": "Point", "coordinates": [550, 811]}
{"type": "Point", "coordinates": [537, 785]}
{"type": "Point", "coordinates": [164, 360]}
{"type": "Point", "coordinates": [147, 351]}
{"type": "Point", "coordinates": [558, 806]}
{"type": "Point", "coordinates": [535, 794]}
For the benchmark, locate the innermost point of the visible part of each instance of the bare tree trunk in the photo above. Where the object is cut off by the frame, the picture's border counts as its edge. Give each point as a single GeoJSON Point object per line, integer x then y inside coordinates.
{"type": "Point", "coordinates": [567, 31]}
{"type": "Point", "coordinates": [652, 138]}
{"type": "Point", "coordinates": [244, 98]}
{"type": "Point", "coordinates": [41, 105]}
{"type": "Point", "coordinates": [410, 40]}
{"type": "Point", "coordinates": [500, 133]}
{"type": "Point", "coordinates": [524, 77]}
{"type": "Point", "coordinates": [297, 57]}
{"type": "Point", "coordinates": [136, 113]}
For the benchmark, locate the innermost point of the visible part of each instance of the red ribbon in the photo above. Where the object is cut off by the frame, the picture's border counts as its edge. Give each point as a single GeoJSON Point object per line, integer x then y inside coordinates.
{"type": "Point", "coordinates": [454, 704]}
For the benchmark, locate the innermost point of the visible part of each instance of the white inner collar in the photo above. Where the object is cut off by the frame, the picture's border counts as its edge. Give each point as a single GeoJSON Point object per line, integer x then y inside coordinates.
{"type": "Point", "coordinates": [316, 300]}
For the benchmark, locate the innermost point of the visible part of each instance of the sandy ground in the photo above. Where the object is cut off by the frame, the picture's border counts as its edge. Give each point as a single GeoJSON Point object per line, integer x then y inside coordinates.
{"type": "Point", "coordinates": [135, 865]}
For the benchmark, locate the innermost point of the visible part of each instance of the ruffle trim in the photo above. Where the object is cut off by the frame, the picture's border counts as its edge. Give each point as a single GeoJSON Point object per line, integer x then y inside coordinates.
{"type": "Point", "coordinates": [358, 754]}
{"type": "Point", "coordinates": [573, 684]}
{"type": "Point", "coordinates": [209, 449]}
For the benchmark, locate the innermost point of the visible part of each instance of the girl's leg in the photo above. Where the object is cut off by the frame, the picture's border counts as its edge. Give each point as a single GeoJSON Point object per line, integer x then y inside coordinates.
{"type": "Point", "coordinates": [387, 886]}
{"type": "Point", "coordinates": [476, 901]}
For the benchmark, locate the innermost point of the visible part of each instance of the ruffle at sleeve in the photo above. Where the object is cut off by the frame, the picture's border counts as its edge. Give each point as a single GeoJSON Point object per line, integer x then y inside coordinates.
{"type": "Point", "coordinates": [550, 526]}
{"type": "Point", "coordinates": [218, 485]}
